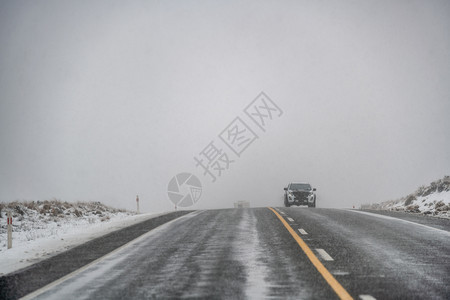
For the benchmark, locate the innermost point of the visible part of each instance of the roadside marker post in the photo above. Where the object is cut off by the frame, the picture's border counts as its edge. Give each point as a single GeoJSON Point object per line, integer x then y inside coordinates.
{"type": "Point", "coordinates": [9, 230]}
{"type": "Point", "coordinates": [137, 203]}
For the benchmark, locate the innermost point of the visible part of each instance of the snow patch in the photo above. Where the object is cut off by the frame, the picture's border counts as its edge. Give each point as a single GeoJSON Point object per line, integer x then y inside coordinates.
{"type": "Point", "coordinates": [39, 233]}
{"type": "Point", "coordinates": [247, 249]}
{"type": "Point", "coordinates": [433, 200]}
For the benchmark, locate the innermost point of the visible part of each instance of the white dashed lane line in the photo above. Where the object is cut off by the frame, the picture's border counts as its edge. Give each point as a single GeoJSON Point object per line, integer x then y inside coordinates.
{"type": "Point", "coordinates": [366, 297]}
{"type": "Point", "coordinates": [302, 231]}
{"type": "Point", "coordinates": [324, 255]}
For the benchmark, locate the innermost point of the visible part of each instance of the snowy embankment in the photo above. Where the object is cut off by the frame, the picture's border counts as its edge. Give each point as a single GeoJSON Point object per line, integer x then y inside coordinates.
{"type": "Point", "coordinates": [433, 200]}
{"type": "Point", "coordinates": [45, 228]}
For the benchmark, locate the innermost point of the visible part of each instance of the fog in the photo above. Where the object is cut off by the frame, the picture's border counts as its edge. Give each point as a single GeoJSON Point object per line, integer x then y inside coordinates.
{"type": "Point", "coordinates": [106, 100]}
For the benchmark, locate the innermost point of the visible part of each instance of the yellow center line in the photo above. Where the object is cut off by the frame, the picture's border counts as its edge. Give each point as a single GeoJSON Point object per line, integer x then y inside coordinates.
{"type": "Point", "coordinates": [335, 285]}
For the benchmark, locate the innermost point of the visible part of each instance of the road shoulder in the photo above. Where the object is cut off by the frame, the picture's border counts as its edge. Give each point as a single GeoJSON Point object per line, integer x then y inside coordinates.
{"type": "Point", "coordinates": [438, 223]}
{"type": "Point", "coordinates": [25, 281]}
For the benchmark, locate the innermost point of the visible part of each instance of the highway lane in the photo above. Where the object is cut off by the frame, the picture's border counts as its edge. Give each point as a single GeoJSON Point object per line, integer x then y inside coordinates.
{"type": "Point", "coordinates": [248, 253]}
{"type": "Point", "coordinates": [384, 257]}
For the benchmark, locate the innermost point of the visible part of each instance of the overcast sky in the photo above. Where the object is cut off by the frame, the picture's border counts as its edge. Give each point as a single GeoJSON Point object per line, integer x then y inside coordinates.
{"type": "Point", "coordinates": [103, 100]}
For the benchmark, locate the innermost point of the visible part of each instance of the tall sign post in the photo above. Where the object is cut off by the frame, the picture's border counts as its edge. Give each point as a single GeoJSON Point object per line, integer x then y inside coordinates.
{"type": "Point", "coordinates": [9, 230]}
{"type": "Point", "coordinates": [137, 203]}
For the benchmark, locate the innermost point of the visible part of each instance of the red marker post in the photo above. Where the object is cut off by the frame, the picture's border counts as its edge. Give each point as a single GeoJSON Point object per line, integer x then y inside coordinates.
{"type": "Point", "coordinates": [9, 230]}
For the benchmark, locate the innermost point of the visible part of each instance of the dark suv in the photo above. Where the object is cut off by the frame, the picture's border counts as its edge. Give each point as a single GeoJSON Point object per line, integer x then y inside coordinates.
{"type": "Point", "coordinates": [299, 193]}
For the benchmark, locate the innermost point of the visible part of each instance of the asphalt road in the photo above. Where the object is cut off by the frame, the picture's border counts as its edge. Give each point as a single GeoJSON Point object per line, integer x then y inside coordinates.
{"type": "Point", "coordinates": [249, 253]}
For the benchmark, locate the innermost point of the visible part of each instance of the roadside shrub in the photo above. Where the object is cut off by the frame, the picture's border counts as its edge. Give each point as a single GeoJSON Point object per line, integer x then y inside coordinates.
{"type": "Point", "coordinates": [413, 209]}
{"type": "Point", "coordinates": [439, 204]}
{"type": "Point", "coordinates": [409, 200]}
{"type": "Point", "coordinates": [443, 208]}
{"type": "Point", "coordinates": [16, 209]}
{"type": "Point", "coordinates": [30, 205]}
{"type": "Point", "coordinates": [56, 211]}
{"type": "Point", "coordinates": [420, 190]}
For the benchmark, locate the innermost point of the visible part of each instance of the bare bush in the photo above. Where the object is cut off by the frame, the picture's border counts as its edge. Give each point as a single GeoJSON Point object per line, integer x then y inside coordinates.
{"type": "Point", "coordinates": [30, 205]}
{"type": "Point", "coordinates": [409, 199]}
{"type": "Point", "coordinates": [439, 204]}
{"type": "Point", "coordinates": [413, 209]}
{"type": "Point", "coordinates": [19, 210]}
{"type": "Point", "coordinates": [443, 208]}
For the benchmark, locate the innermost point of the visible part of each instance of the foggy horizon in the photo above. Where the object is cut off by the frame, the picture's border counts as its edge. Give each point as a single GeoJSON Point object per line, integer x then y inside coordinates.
{"type": "Point", "coordinates": [106, 100]}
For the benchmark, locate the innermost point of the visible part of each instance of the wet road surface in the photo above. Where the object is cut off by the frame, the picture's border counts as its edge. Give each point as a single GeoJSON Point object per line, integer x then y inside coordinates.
{"type": "Point", "coordinates": [250, 254]}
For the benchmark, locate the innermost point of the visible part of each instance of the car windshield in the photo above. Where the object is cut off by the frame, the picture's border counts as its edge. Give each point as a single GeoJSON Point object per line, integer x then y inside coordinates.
{"type": "Point", "coordinates": [300, 186]}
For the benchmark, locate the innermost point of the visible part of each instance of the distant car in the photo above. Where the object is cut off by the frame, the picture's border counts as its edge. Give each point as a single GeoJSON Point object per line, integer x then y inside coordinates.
{"type": "Point", "coordinates": [299, 193]}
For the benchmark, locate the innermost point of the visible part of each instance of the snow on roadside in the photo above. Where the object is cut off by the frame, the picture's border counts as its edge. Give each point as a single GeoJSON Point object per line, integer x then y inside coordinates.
{"type": "Point", "coordinates": [38, 235]}
{"type": "Point", "coordinates": [433, 200]}
{"type": "Point", "coordinates": [430, 203]}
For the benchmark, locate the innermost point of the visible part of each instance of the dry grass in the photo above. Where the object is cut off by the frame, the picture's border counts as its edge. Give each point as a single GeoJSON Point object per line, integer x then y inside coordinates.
{"type": "Point", "coordinates": [57, 208]}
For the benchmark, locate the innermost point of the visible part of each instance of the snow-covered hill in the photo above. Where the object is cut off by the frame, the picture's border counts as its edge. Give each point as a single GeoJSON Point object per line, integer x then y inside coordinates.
{"type": "Point", "coordinates": [433, 200]}
{"type": "Point", "coordinates": [45, 228]}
